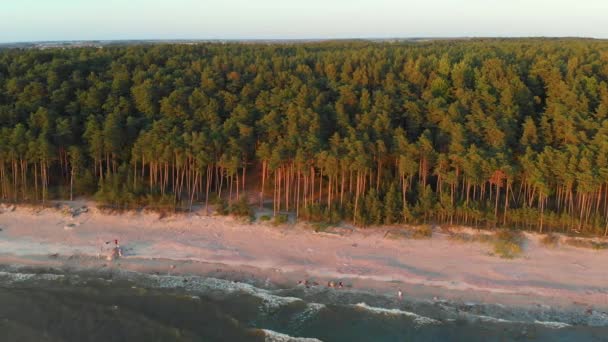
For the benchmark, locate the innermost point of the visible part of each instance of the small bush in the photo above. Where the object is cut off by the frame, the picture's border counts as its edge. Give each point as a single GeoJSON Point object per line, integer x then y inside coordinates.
{"type": "Point", "coordinates": [320, 226]}
{"type": "Point", "coordinates": [280, 219]}
{"type": "Point", "coordinates": [550, 240]}
{"type": "Point", "coordinates": [510, 236]}
{"type": "Point", "coordinates": [508, 244]}
{"type": "Point", "coordinates": [423, 232]}
{"type": "Point", "coordinates": [163, 213]}
{"type": "Point", "coordinates": [484, 238]}
{"type": "Point", "coordinates": [397, 234]}
{"type": "Point", "coordinates": [318, 213]}
{"type": "Point", "coordinates": [265, 218]}
{"type": "Point", "coordinates": [66, 210]}
{"type": "Point", "coordinates": [221, 206]}
{"type": "Point", "coordinates": [464, 237]}
{"type": "Point", "coordinates": [241, 208]}
{"type": "Point", "coordinates": [581, 243]}
{"type": "Point", "coordinates": [506, 249]}
{"type": "Point", "coordinates": [461, 237]}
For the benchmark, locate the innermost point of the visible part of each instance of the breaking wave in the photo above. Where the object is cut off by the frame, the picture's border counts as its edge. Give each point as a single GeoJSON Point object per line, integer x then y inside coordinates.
{"type": "Point", "coordinates": [489, 319]}
{"type": "Point", "coordinates": [273, 336]}
{"type": "Point", "coordinates": [418, 319]}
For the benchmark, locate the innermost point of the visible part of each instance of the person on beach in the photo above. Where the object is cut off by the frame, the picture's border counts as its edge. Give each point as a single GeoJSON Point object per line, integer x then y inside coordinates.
{"type": "Point", "coordinates": [400, 294]}
{"type": "Point", "coordinates": [117, 248]}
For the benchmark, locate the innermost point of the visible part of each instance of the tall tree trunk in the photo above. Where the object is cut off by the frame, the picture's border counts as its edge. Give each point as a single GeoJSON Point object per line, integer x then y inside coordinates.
{"type": "Point", "coordinates": [496, 205]}
{"type": "Point", "coordinates": [504, 214]}
{"type": "Point", "coordinates": [356, 198]}
{"type": "Point", "coordinates": [263, 183]}
{"type": "Point", "coordinates": [72, 185]}
{"type": "Point", "coordinates": [192, 192]}
{"type": "Point", "coordinates": [342, 187]}
{"type": "Point", "coordinates": [542, 211]}
{"type": "Point", "coordinates": [207, 187]}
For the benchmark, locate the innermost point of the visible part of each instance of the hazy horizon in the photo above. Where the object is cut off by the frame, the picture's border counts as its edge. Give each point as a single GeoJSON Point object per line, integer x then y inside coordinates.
{"type": "Point", "coordinates": [72, 20]}
{"type": "Point", "coordinates": [296, 40]}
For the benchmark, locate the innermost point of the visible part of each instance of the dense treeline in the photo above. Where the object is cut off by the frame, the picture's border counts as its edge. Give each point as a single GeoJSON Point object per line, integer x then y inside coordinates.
{"type": "Point", "coordinates": [487, 132]}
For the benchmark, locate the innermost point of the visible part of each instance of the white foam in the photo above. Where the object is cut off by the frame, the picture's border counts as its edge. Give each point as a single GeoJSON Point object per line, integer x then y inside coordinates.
{"type": "Point", "coordinates": [270, 301]}
{"type": "Point", "coordinates": [273, 336]}
{"type": "Point", "coordinates": [490, 319]}
{"type": "Point", "coordinates": [311, 310]}
{"type": "Point", "coordinates": [554, 325]}
{"type": "Point", "coordinates": [421, 320]}
{"type": "Point", "coordinates": [548, 324]}
{"type": "Point", "coordinates": [316, 306]}
{"type": "Point", "coordinates": [18, 277]}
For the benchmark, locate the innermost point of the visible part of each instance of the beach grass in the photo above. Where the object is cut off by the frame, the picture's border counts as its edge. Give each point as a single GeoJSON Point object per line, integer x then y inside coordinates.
{"type": "Point", "coordinates": [507, 244]}
{"type": "Point", "coordinates": [465, 237]}
{"type": "Point", "coordinates": [550, 240]}
{"type": "Point", "coordinates": [422, 232]}
{"type": "Point", "coordinates": [590, 244]}
{"type": "Point", "coordinates": [320, 226]}
{"type": "Point", "coordinates": [418, 233]}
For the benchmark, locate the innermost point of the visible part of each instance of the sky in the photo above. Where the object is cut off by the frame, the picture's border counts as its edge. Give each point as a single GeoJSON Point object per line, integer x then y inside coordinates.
{"type": "Point", "coordinates": [43, 20]}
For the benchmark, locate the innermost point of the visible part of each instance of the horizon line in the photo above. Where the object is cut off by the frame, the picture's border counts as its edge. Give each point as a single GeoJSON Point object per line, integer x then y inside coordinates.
{"type": "Point", "coordinates": [304, 39]}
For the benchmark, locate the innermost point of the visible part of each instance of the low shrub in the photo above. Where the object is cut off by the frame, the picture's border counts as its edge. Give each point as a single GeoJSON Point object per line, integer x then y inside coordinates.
{"type": "Point", "coordinates": [422, 232]}
{"type": "Point", "coordinates": [397, 234]}
{"type": "Point", "coordinates": [550, 240]}
{"type": "Point", "coordinates": [265, 218]}
{"type": "Point", "coordinates": [465, 237]}
{"type": "Point", "coordinates": [221, 206]}
{"type": "Point", "coordinates": [320, 226]}
{"type": "Point", "coordinates": [582, 243]}
{"type": "Point", "coordinates": [318, 213]}
{"type": "Point", "coordinates": [508, 244]}
{"type": "Point", "coordinates": [280, 219]}
{"type": "Point", "coordinates": [163, 213]}
{"type": "Point", "coordinates": [461, 237]}
{"type": "Point", "coordinates": [241, 208]}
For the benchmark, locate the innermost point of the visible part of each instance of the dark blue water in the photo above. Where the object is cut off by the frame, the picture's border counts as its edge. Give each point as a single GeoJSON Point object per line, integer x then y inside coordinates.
{"type": "Point", "coordinates": [39, 306]}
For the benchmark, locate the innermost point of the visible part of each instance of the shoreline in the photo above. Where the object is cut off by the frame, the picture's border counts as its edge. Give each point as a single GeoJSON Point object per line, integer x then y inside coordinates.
{"type": "Point", "coordinates": [226, 248]}
{"type": "Point", "coordinates": [227, 282]}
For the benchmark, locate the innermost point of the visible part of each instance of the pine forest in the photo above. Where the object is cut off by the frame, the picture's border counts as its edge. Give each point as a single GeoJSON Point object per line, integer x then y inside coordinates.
{"type": "Point", "coordinates": [484, 132]}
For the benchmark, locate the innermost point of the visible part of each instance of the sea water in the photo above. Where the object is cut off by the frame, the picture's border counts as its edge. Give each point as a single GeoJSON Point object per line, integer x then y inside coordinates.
{"type": "Point", "coordinates": [121, 306]}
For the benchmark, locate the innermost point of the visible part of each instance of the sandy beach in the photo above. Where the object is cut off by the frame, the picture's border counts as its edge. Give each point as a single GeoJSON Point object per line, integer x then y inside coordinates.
{"type": "Point", "coordinates": [363, 258]}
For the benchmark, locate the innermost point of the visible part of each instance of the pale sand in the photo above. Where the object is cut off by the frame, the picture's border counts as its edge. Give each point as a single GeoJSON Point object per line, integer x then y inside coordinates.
{"type": "Point", "coordinates": [364, 258]}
